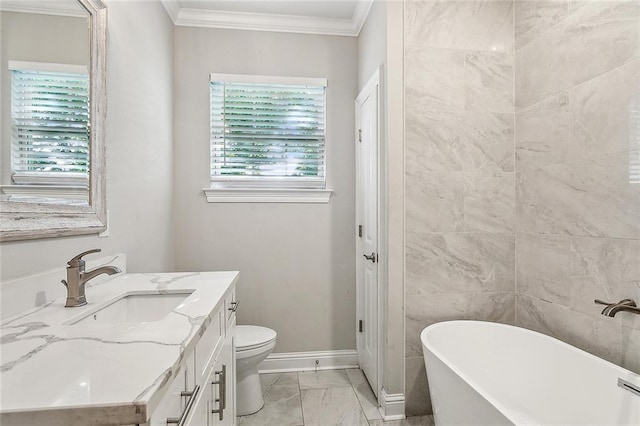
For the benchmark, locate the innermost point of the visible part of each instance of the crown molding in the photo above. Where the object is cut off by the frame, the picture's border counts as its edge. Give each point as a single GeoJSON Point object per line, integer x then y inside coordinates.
{"type": "Point", "coordinates": [360, 14]}
{"type": "Point", "coordinates": [43, 7]}
{"type": "Point", "coordinates": [173, 8]}
{"type": "Point", "coordinates": [267, 22]}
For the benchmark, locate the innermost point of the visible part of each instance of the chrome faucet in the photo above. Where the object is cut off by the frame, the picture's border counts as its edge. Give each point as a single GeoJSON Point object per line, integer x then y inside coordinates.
{"type": "Point", "coordinates": [77, 278]}
{"type": "Point", "coordinates": [611, 309]}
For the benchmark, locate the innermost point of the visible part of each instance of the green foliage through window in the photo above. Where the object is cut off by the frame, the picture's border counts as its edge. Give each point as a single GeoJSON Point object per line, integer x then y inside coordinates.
{"type": "Point", "coordinates": [50, 122]}
{"type": "Point", "coordinates": [267, 131]}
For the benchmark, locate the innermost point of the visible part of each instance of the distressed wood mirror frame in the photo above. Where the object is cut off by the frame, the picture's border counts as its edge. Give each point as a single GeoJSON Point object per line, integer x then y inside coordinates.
{"type": "Point", "coordinates": [26, 221]}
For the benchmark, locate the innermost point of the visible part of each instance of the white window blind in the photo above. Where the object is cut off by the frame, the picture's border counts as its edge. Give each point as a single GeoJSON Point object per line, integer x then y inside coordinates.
{"type": "Point", "coordinates": [50, 126]}
{"type": "Point", "coordinates": [267, 131]}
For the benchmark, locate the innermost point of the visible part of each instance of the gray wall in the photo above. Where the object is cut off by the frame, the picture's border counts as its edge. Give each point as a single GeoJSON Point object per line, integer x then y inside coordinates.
{"type": "Point", "coordinates": [459, 171]}
{"type": "Point", "coordinates": [32, 37]}
{"type": "Point", "coordinates": [139, 132]}
{"type": "Point", "coordinates": [577, 145]}
{"type": "Point", "coordinates": [372, 43]}
{"type": "Point", "coordinates": [296, 261]}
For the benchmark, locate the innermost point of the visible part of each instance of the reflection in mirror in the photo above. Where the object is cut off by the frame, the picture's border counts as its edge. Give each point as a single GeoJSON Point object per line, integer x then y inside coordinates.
{"type": "Point", "coordinates": [52, 118]}
{"type": "Point", "coordinates": [45, 57]}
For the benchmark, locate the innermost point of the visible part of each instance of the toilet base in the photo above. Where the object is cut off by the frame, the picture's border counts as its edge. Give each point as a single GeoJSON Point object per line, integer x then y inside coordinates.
{"type": "Point", "coordinates": [249, 398]}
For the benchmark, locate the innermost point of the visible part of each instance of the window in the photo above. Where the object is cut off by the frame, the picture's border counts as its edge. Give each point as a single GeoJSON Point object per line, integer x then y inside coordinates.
{"type": "Point", "coordinates": [50, 124]}
{"type": "Point", "coordinates": [267, 133]}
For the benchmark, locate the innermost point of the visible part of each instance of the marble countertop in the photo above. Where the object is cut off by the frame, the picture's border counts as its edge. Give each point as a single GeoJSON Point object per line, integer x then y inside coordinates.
{"type": "Point", "coordinates": [112, 372]}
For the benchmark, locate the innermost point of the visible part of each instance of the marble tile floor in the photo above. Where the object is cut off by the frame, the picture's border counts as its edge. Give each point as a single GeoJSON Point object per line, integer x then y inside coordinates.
{"type": "Point", "coordinates": [323, 398]}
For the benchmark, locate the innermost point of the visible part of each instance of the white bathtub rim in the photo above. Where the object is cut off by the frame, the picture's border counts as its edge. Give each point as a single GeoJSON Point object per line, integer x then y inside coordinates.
{"type": "Point", "coordinates": [510, 413]}
{"type": "Point", "coordinates": [472, 383]}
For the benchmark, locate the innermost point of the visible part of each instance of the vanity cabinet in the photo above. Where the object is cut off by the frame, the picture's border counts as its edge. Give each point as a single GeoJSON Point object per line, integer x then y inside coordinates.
{"type": "Point", "coordinates": [203, 390]}
{"type": "Point", "coordinates": [171, 361]}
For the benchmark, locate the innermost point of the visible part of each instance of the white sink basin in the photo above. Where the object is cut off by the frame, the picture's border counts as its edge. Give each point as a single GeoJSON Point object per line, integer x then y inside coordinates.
{"type": "Point", "coordinates": [135, 307]}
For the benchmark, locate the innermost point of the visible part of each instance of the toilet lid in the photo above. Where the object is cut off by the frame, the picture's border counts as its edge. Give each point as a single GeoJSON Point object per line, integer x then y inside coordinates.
{"type": "Point", "coordinates": [250, 336]}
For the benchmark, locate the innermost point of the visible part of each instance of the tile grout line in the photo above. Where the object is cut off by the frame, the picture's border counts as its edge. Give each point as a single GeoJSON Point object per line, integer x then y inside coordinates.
{"type": "Point", "coordinates": [358, 399]}
{"type": "Point", "coordinates": [531, 107]}
{"type": "Point", "coordinates": [353, 388]}
{"type": "Point", "coordinates": [300, 395]}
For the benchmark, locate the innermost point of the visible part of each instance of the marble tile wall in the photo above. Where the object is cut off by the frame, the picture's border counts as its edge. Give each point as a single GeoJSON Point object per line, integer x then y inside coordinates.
{"type": "Point", "coordinates": [459, 171]}
{"type": "Point", "coordinates": [577, 100]}
{"type": "Point", "coordinates": [522, 136]}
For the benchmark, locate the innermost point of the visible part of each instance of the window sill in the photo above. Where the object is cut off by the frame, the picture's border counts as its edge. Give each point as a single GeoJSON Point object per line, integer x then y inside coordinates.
{"type": "Point", "coordinates": [45, 193]}
{"type": "Point", "coordinates": [245, 195]}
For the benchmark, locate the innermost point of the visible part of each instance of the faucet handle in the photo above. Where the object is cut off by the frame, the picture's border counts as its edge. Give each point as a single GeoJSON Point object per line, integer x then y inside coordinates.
{"type": "Point", "coordinates": [77, 260]}
{"type": "Point", "coordinates": [608, 305]}
{"type": "Point", "coordinates": [629, 302]}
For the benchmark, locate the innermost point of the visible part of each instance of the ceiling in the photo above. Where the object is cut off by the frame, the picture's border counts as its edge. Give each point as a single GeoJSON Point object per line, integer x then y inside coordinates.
{"type": "Point", "coordinates": [333, 17]}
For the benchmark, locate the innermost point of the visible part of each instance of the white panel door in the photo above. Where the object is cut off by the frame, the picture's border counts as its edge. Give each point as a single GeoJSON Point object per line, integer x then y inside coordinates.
{"type": "Point", "coordinates": [367, 240]}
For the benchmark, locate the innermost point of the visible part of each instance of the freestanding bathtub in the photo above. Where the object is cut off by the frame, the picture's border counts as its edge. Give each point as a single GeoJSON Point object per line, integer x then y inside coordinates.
{"type": "Point", "coordinates": [483, 373]}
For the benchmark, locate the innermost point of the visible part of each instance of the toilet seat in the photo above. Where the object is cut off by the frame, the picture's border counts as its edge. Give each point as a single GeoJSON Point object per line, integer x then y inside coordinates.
{"type": "Point", "coordinates": [250, 337]}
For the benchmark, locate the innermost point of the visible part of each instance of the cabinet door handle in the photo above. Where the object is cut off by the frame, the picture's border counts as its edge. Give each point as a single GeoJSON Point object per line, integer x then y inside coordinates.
{"type": "Point", "coordinates": [222, 390]}
{"type": "Point", "coordinates": [234, 306]}
{"type": "Point", "coordinates": [183, 416]}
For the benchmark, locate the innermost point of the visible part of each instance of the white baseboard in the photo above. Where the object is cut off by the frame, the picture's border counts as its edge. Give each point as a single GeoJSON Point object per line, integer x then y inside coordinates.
{"type": "Point", "coordinates": [306, 361]}
{"type": "Point", "coordinates": [392, 406]}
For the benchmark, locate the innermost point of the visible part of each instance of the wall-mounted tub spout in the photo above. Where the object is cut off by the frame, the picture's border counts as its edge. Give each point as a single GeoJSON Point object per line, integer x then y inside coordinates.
{"type": "Point", "coordinates": [611, 309]}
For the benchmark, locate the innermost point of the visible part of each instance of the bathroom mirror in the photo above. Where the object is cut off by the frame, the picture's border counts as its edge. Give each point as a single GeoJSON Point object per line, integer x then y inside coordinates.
{"type": "Point", "coordinates": [52, 76]}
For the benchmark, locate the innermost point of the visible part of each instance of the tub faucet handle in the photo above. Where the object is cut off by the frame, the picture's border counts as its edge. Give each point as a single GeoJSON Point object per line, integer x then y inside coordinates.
{"type": "Point", "coordinates": [611, 309]}
{"type": "Point", "coordinates": [607, 305]}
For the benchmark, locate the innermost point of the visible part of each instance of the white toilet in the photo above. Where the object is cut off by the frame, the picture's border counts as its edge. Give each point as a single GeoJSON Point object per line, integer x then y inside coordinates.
{"type": "Point", "coordinates": [253, 345]}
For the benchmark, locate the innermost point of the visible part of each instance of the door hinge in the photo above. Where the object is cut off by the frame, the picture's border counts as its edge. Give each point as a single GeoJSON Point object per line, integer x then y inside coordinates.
{"type": "Point", "coordinates": [359, 135]}
{"type": "Point", "coordinates": [360, 326]}
{"type": "Point", "coordinates": [360, 231]}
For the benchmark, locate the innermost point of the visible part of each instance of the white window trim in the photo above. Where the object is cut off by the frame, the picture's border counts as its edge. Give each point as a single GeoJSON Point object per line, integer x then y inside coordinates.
{"type": "Point", "coordinates": [266, 182]}
{"type": "Point", "coordinates": [267, 79]}
{"type": "Point", "coordinates": [43, 193]}
{"type": "Point", "coordinates": [50, 178]}
{"type": "Point", "coordinates": [47, 67]}
{"type": "Point", "coordinates": [267, 195]}
{"type": "Point", "coordinates": [264, 190]}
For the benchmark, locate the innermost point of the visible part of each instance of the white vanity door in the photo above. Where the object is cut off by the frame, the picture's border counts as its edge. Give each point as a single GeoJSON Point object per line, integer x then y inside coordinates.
{"type": "Point", "coordinates": [228, 358]}
{"type": "Point", "coordinates": [200, 413]}
{"type": "Point", "coordinates": [224, 391]}
{"type": "Point", "coordinates": [173, 404]}
{"type": "Point", "coordinates": [170, 407]}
